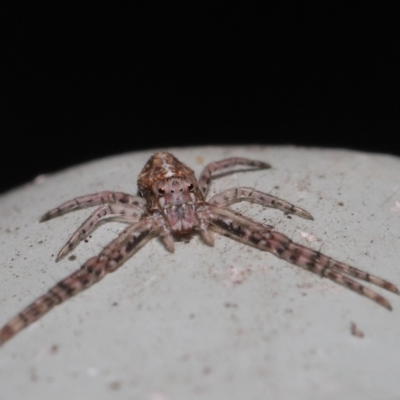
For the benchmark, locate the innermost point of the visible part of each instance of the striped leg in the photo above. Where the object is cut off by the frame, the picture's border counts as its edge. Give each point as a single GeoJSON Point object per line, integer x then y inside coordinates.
{"type": "Point", "coordinates": [111, 212]}
{"type": "Point", "coordinates": [205, 177]}
{"type": "Point", "coordinates": [254, 234]}
{"type": "Point", "coordinates": [230, 196]}
{"type": "Point", "coordinates": [112, 256]}
{"type": "Point", "coordinates": [94, 199]}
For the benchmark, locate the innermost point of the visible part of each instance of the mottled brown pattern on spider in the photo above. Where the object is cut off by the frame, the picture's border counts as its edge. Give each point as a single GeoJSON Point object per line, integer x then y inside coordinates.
{"type": "Point", "coordinates": [173, 203]}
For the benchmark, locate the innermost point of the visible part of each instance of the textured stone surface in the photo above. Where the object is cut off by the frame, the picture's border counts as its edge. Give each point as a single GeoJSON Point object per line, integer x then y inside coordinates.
{"type": "Point", "coordinates": [209, 323]}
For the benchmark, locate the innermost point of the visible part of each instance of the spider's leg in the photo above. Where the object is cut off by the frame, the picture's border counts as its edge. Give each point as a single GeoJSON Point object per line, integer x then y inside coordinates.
{"type": "Point", "coordinates": [254, 234]}
{"type": "Point", "coordinates": [111, 212]}
{"type": "Point", "coordinates": [94, 199]}
{"type": "Point", "coordinates": [230, 196]}
{"type": "Point", "coordinates": [205, 177]}
{"type": "Point", "coordinates": [112, 256]}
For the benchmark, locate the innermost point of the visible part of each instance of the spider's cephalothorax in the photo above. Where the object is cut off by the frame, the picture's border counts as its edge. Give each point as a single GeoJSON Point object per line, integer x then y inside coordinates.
{"type": "Point", "coordinates": [174, 203]}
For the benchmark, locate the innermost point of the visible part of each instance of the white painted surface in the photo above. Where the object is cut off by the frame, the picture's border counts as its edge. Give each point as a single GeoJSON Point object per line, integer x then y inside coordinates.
{"type": "Point", "coordinates": [209, 323]}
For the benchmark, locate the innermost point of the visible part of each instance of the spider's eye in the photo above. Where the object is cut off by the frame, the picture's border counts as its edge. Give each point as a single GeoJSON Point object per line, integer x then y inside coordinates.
{"type": "Point", "coordinates": [190, 187]}
{"type": "Point", "coordinates": [161, 191]}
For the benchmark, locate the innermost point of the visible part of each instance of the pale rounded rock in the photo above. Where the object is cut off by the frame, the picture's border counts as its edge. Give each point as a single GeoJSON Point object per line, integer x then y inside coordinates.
{"type": "Point", "coordinates": [219, 322]}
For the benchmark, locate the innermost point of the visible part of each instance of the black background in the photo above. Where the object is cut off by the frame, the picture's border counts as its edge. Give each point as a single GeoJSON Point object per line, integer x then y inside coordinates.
{"type": "Point", "coordinates": [82, 82]}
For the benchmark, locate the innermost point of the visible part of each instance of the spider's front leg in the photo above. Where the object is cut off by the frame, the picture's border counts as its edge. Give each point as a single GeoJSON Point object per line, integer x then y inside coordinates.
{"type": "Point", "coordinates": [231, 196]}
{"type": "Point", "coordinates": [112, 212]}
{"type": "Point", "coordinates": [252, 233]}
{"type": "Point", "coordinates": [95, 199]}
{"type": "Point", "coordinates": [112, 256]}
{"type": "Point", "coordinates": [205, 177]}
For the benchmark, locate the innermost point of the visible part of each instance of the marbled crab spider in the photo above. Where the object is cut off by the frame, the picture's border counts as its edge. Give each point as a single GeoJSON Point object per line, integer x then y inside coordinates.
{"type": "Point", "coordinates": [174, 203]}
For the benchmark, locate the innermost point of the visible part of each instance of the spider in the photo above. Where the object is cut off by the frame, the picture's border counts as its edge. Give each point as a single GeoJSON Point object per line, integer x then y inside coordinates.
{"type": "Point", "coordinates": [173, 203]}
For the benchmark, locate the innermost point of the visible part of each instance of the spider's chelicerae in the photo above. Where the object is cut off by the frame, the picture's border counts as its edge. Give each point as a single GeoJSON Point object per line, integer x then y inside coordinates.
{"type": "Point", "coordinates": [173, 204]}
